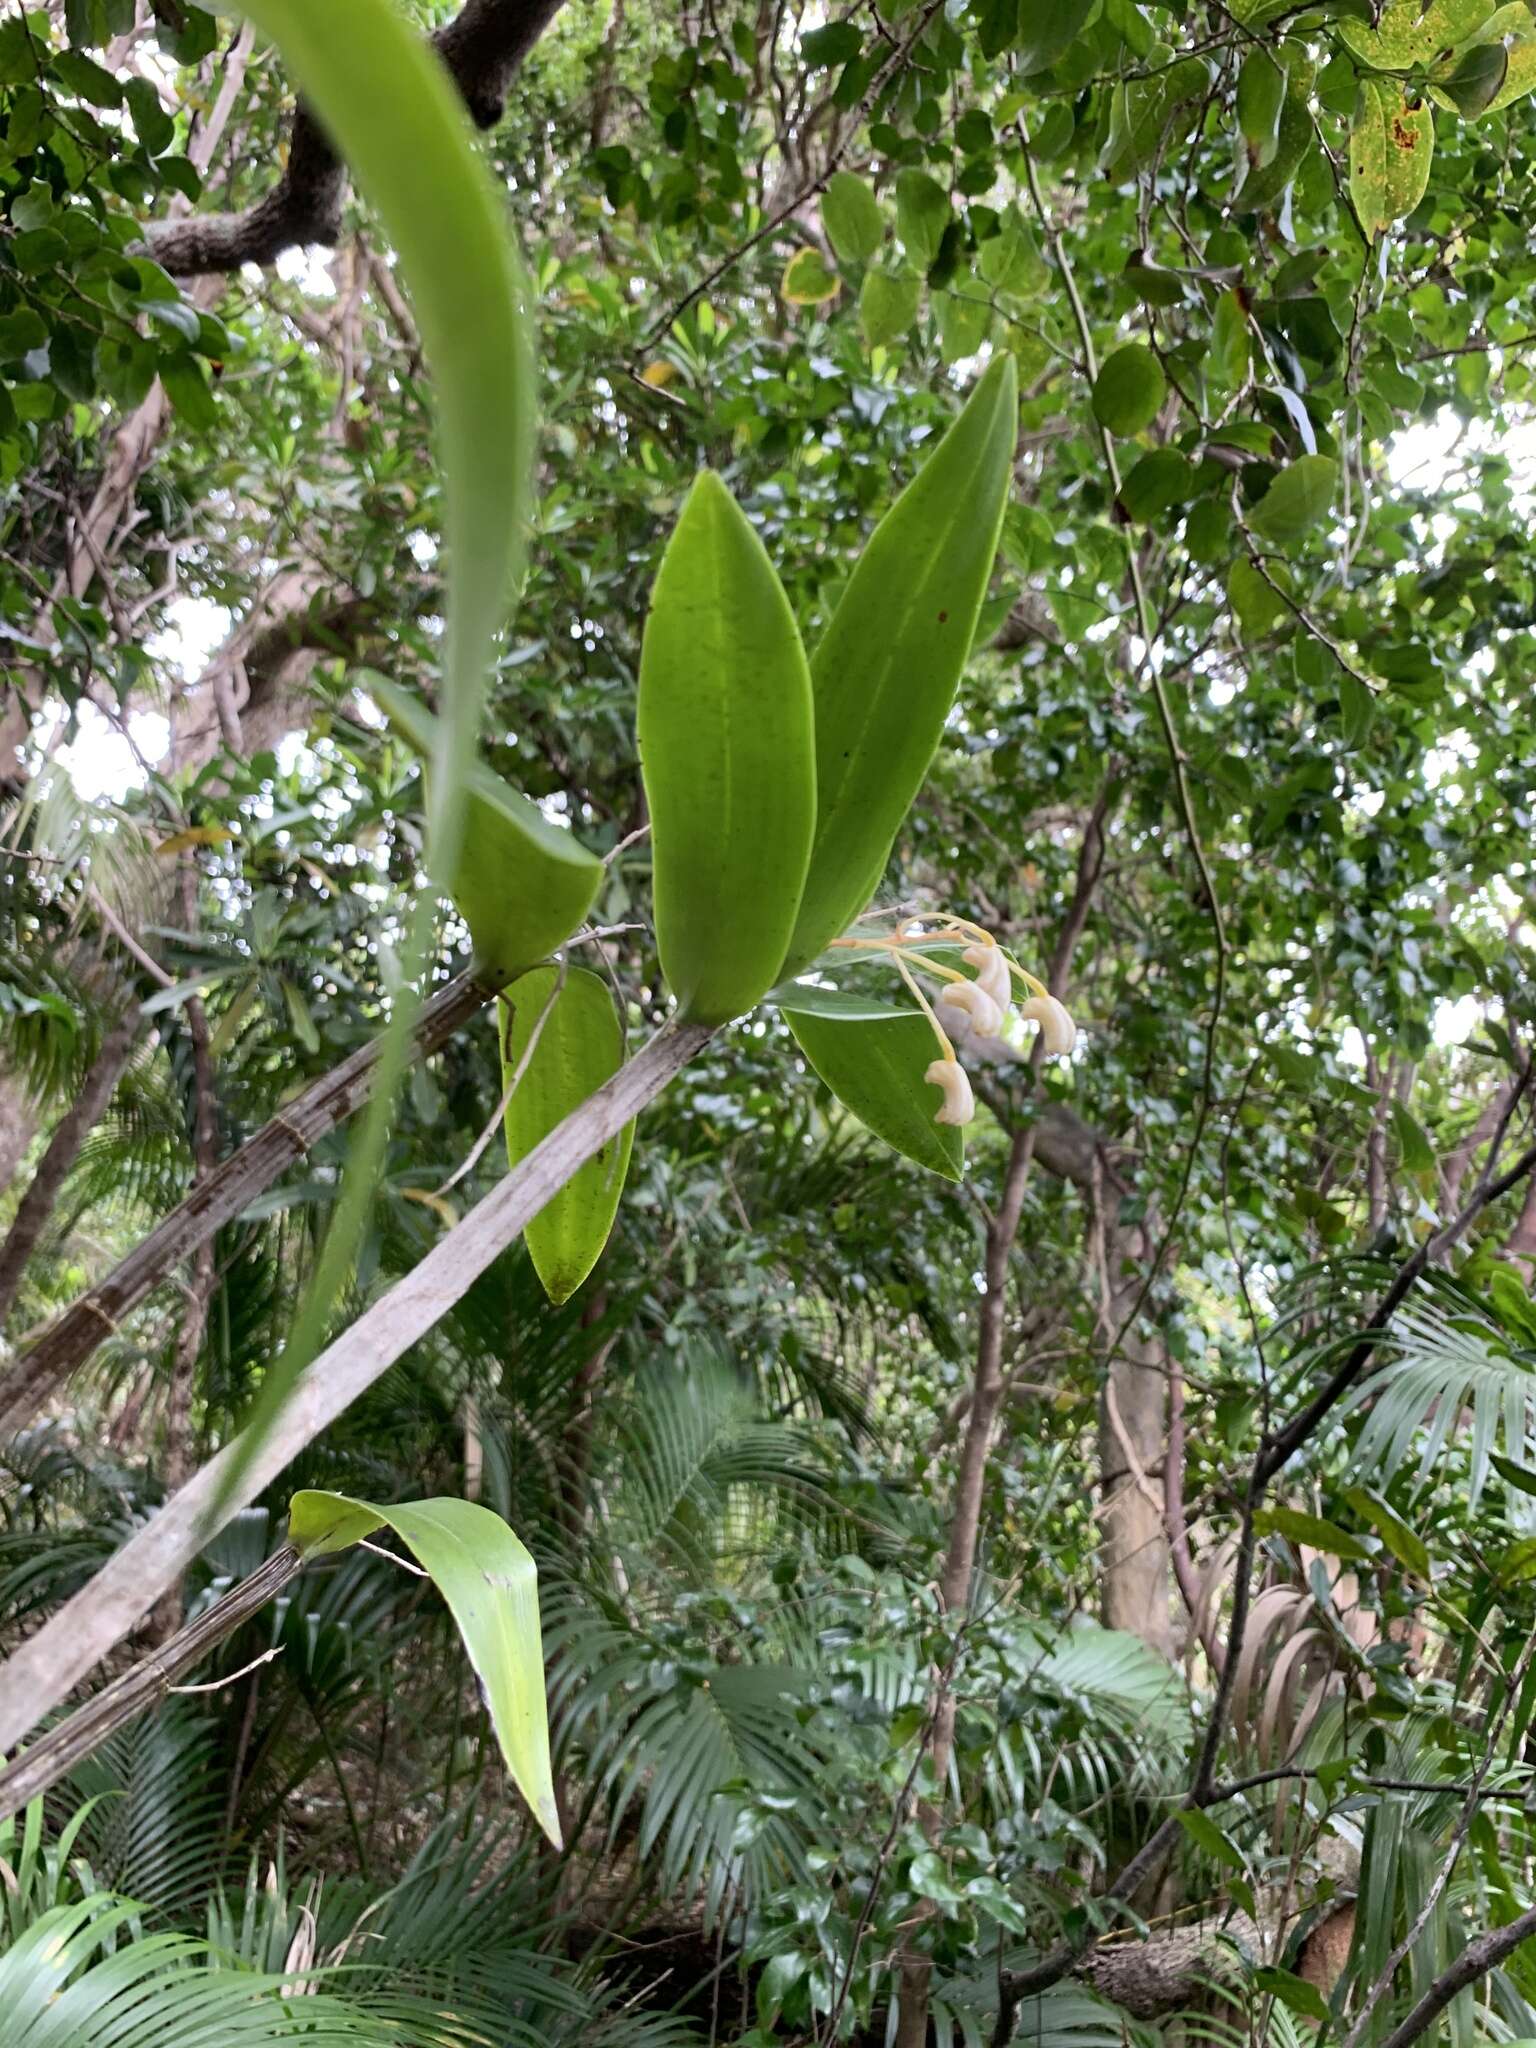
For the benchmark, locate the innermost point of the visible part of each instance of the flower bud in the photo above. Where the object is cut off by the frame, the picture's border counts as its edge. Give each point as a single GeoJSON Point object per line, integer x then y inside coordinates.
{"type": "Point", "coordinates": [986, 1018]}
{"type": "Point", "coordinates": [1058, 1033]}
{"type": "Point", "coordinates": [959, 1103]}
{"type": "Point", "coordinates": [992, 974]}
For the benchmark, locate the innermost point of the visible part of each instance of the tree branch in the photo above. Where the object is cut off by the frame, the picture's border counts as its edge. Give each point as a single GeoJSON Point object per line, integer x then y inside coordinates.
{"type": "Point", "coordinates": [483, 47]}
{"type": "Point", "coordinates": [217, 1200]}
{"type": "Point", "coordinates": [41, 1673]}
{"type": "Point", "coordinates": [62, 1748]}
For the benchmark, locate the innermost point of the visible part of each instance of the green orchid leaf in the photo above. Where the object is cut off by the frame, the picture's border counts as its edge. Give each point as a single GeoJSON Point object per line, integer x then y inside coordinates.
{"type": "Point", "coordinates": [728, 757]}
{"type": "Point", "coordinates": [1390, 147]}
{"type": "Point", "coordinates": [579, 1045]}
{"type": "Point", "coordinates": [874, 1061]}
{"type": "Point", "coordinates": [490, 1585]}
{"type": "Point", "coordinates": [521, 884]}
{"type": "Point", "coordinates": [886, 669]}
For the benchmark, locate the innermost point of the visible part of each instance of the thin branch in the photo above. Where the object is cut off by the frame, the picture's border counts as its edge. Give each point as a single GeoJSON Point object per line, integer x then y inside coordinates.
{"type": "Point", "coordinates": [58, 1752]}
{"type": "Point", "coordinates": [231, 1187]}
{"type": "Point", "coordinates": [40, 1674]}
{"type": "Point", "coordinates": [893, 65]}
{"type": "Point", "coordinates": [483, 48]}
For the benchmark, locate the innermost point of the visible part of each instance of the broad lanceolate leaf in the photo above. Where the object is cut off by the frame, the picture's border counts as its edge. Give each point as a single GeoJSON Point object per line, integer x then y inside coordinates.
{"type": "Point", "coordinates": [922, 214]}
{"type": "Point", "coordinates": [1297, 499]}
{"type": "Point", "coordinates": [1260, 97]}
{"type": "Point", "coordinates": [1519, 37]}
{"type": "Point", "coordinates": [1390, 147]}
{"type": "Point", "coordinates": [580, 1045]}
{"type": "Point", "coordinates": [886, 669]}
{"type": "Point", "coordinates": [1312, 1531]}
{"type": "Point", "coordinates": [851, 215]}
{"type": "Point", "coordinates": [1470, 83]}
{"type": "Point", "coordinates": [521, 884]}
{"type": "Point", "coordinates": [1129, 390]}
{"type": "Point", "coordinates": [873, 1061]}
{"type": "Point", "coordinates": [1150, 115]}
{"type": "Point", "coordinates": [490, 1585]}
{"type": "Point", "coordinates": [728, 756]}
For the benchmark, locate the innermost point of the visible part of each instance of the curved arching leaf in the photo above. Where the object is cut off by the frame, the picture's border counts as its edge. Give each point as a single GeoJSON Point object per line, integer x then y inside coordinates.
{"type": "Point", "coordinates": [521, 884]}
{"type": "Point", "coordinates": [371, 78]}
{"type": "Point", "coordinates": [886, 669]}
{"type": "Point", "coordinates": [490, 1585]}
{"type": "Point", "coordinates": [728, 758]}
{"type": "Point", "coordinates": [579, 1046]}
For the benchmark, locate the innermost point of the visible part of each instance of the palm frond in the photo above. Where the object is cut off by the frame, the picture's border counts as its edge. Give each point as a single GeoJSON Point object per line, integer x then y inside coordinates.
{"type": "Point", "coordinates": [86, 1974]}
{"type": "Point", "coordinates": [1447, 1365]}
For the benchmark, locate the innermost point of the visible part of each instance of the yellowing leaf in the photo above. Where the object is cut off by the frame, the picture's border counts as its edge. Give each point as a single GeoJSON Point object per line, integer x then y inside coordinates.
{"type": "Point", "coordinates": [440, 1206]}
{"type": "Point", "coordinates": [807, 281]}
{"type": "Point", "coordinates": [194, 835]}
{"type": "Point", "coordinates": [1390, 147]}
{"type": "Point", "coordinates": [1409, 33]}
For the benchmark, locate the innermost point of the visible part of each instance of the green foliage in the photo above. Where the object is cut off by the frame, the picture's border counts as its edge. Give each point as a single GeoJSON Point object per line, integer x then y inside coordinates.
{"type": "Point", "coordinates": [874, 1058]}
{"type": "Point", "coordinates": [1327, 374]}
{"type": "Point", "coordinates": [726, 744]}
{"type": "Point", "coordinates": [579, 1045]}
{"type": "Point", "coordinates": [521, 884]}
{"type": "Point", "coordinates": [489, 1582]}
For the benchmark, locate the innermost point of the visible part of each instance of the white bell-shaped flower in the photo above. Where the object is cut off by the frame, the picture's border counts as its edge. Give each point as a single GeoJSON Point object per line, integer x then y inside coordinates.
{"type": "Point", "coordinates": [1058, 1033]}
{"type": "Point", "coordinates": [985, 1016]}
{"type": "Point", "coordinates": [992, 976]}
{"type": "Point", "coordinates": [959, 1103]}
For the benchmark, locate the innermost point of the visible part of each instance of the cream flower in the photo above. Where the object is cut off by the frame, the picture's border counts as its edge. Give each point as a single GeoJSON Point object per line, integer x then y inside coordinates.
{"type": "Point", "coordinates": [959, 1103]}
{"type": "Point", "coordinates": [982, 1008]}
{"type": "Point", "coordinates": [992, 976]}
{"type": "Point", "coordinates": [1058, 1033]}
